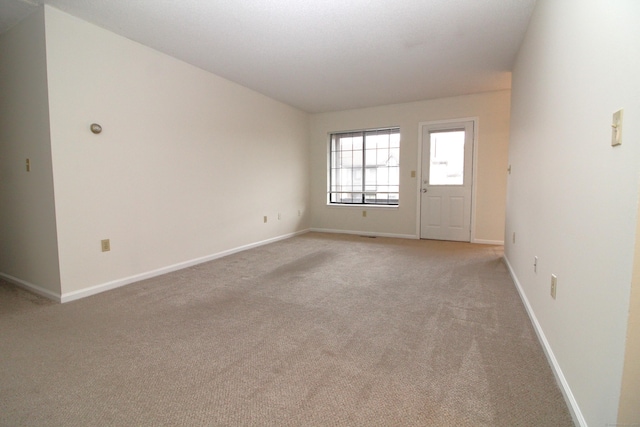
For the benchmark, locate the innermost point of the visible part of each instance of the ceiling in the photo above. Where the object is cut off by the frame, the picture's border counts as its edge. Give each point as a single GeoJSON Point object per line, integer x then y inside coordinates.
{"type": "Point", "coordinates": [323, 55]}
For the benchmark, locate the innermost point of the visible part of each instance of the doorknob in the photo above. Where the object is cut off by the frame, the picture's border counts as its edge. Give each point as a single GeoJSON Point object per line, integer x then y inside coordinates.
{"type": "Point", "coordinates": [424, 190]}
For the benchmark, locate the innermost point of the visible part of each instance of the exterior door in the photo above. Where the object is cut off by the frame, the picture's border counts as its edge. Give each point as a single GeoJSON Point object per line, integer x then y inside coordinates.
{"type": "Point", "coordinates": [446, 181]}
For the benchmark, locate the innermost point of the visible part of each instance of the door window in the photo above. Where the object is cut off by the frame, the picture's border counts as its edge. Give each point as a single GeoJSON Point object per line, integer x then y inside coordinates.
{"type": "Point", "coordinates": [446, 163]}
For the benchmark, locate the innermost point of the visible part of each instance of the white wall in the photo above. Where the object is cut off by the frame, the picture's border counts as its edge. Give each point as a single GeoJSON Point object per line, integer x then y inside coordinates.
{"type": "Point", "coordinates": [186, 167]}
{"type": "Point", "coordinates": [572, 199]}
{"type": "Point", "coordinates": [28, 246]}
{"type": "Point", "coordinates": [492, 110]}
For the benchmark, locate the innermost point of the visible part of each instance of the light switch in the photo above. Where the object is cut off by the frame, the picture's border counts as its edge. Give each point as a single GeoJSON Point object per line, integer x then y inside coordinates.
{"type": "Point", "coordinates": [616, 128]}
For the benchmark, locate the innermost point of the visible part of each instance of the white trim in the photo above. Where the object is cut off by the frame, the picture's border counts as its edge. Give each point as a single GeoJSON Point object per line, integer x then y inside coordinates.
{"type": "Point", "coordinates": [474, 167]}
{"type": "Point", "coordinates": [82, 293]}
{"type": "Point", "coordinates": [488, 242]}
{"type": "Point", "coordinates": [576, 414]}
{"type": "Point", "coordinates": [418, 181]}
{"type": "Point", "coordinates": [31, 287]}
{"type": "Point", "coordinates": [360, 206]}
{"type": "Point", "coordinates": [474, 182]}
{"type": "Point", "coordinates": [364, 233]}
{"type": "Point", "coordinates": [398, 236]}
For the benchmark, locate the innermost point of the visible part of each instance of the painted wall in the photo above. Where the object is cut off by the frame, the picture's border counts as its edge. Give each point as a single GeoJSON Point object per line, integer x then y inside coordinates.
{"type": "Point", "coordinates": [491, 108]}
{"type": "Point", "coordinates": [186, 166]}
{"type": "Point", "coordinates": [28, 244]}
{"type": "Point", "coordinates": [572, 198]}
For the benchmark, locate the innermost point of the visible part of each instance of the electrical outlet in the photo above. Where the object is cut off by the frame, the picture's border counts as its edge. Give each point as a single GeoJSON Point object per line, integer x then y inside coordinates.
{"type": "Point", "coordinates": [514, 237]}
{"type": "Point", "coordinates": [279, 216]}
{"type": "Point", "coordinates": [106, 245]}
{"type": "Point", "coordinates": [299, 212]}
{"type": "Point", "coordinates": [364, 214]}
{"type": "Point", "coordinates": [554, 285]}
{"type": "Point", "coordinates": [413, 174]}
{"type": "Point", "coordinates": [265, 218]}
{"type": "Point", "coordinates": [28, 165]}
{"type": "Point", "coordinates": [535, 264]}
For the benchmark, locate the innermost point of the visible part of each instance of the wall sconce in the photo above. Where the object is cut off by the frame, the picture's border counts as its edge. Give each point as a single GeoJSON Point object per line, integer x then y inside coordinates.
{"type": "Point", "coordinates": [96, 128]}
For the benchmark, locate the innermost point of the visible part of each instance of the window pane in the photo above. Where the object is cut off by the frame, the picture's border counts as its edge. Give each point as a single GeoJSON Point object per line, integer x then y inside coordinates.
{"type": "Point", "coordinates": [394, 157]}
{"type": "Point", "coordinates": [357, 143]}
{"type": "Point", "coordinates": [394, 176]}
{"type": "Point", "coordinates": [382, 177]}
{"type": "Point", "coordinates": [394, 140]}
{"type": "Point", "coordinates": [446, 158]}
{"type": "Point", "coordinates": [370, 157]}
{"type": "Point", "coordinates": [346, 144]}
{"type": "Point", "coordinates": [377, 141]}
{"type": "Point", "coordinates": [344, 179]}
{"type": "Point", "coordinates": [357, 158]}
{"type": "Point", "coordinates": [356, 179]}
{"type": "Point", "coordinates": [370, 178]}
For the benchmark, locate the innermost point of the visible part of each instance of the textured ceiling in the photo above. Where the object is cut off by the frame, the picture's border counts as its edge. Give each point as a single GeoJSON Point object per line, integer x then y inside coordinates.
{"type": "Point", "coordinates": [323, 55]}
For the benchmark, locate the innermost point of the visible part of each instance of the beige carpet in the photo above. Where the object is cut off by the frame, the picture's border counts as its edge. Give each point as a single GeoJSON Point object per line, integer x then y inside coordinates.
{"type": "Point", "coordinates": [317, 330]}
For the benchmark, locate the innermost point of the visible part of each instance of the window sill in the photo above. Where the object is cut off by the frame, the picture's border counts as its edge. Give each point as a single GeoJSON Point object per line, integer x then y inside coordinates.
{"type": "Point", "coordinates": [360, 206]}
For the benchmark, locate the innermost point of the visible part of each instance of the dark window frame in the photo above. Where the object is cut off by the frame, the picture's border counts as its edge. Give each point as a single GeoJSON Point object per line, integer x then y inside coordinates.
{"type": "Point", "coordinates": [357, 166]}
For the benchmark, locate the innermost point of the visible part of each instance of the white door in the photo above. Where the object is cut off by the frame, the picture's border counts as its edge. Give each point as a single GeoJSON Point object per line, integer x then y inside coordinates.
{"type": "Point", "coordinates": [446, 181]}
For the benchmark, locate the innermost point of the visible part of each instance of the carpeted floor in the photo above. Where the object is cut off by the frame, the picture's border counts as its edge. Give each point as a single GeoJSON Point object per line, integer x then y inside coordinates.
{"type": "Point", "coordinates": [315, 330]}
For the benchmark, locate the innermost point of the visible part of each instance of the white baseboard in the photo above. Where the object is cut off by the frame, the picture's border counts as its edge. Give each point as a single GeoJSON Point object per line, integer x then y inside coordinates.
{"type": "Point", "coordinates": [31, 287]}
{"type": "Point", "coordinates": [365, 233]}
{"type": "Point", "coordinates": [488, 242]}
{"type": "Point", "coordinates": [576, 414]}
{"type": "Point", "coordinates": [399, 236]}
{"type": "Point", "coordinates": [82, 293]}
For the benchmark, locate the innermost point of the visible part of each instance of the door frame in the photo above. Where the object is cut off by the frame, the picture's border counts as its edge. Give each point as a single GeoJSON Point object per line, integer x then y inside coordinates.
{"type": "Point", "coordinates": [474, 174]}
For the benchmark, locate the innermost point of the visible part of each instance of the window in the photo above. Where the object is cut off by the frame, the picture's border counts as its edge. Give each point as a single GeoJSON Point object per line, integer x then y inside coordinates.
{"type": "Point", "coordinates": [365, 167]}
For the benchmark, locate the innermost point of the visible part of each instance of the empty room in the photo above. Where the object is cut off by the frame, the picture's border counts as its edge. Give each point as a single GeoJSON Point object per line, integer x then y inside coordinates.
{"type": "Point", "coordinates": [285, 213]}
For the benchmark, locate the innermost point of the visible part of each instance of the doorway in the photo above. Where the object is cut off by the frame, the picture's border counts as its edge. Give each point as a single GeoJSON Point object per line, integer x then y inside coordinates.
{"type": "Point", "coordinates": [446, 180]}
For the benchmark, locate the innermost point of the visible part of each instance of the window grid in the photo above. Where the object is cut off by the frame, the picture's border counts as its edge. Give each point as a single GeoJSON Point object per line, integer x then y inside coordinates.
{"type": "Point", "coordinates": [365, 167]}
